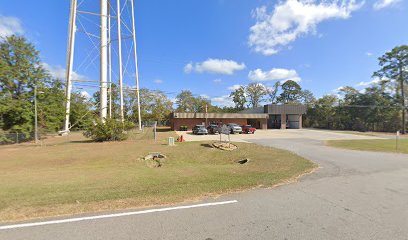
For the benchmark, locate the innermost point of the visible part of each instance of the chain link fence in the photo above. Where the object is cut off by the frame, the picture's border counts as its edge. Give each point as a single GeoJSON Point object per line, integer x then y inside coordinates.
{"type": "Point", "coordinates": [15, 137]}
{"type": "Point", "coordinates": [19, 137]}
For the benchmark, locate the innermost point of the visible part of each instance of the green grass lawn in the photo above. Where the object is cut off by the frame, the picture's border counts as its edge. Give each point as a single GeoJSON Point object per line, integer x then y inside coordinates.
{"type": "Point", "coordinates": [71, 175]}
{"type": "Point", "coordinates": [379, 145]}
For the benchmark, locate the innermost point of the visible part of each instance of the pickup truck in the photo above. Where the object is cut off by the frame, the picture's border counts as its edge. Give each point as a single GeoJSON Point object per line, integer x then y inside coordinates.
{"type": "Point", "coordinates": [248, 129]}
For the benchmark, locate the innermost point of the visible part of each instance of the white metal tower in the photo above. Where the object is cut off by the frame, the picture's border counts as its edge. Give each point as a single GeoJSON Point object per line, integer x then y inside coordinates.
{"type": "Point", "coordinates": [105, 48]}
{"type": "Point", "coordinates": [104, 61]}
{"type": "Point", "coordinates": [70, 63]}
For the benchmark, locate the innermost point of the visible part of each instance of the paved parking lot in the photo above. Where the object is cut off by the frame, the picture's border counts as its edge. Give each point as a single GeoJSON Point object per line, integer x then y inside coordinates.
{"type": "Point", "coordinates": [312, 134]}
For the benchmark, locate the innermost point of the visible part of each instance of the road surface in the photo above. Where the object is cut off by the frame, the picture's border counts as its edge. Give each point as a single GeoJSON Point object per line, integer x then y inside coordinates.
{"type": "Point", "coordinates": [353, 195]}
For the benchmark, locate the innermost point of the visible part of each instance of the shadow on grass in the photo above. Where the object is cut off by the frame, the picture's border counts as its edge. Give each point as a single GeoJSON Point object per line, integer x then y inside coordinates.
{"type": "Point", "coordinates": [82, 141]}
{"type": "Point", "coordinates": [163, 129]}
{"type": "Point", "coordinates": [207, 145]}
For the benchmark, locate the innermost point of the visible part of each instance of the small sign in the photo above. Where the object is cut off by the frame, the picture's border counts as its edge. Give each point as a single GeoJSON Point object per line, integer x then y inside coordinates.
{"type": "Point", "coordinates": [398, 133]}
{"type": "Point", "coordinates": [225, 130]}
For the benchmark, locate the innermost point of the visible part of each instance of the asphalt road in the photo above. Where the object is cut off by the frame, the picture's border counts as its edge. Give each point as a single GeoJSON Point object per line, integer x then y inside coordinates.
{"type": "Point", "coordinates": [354, 195]}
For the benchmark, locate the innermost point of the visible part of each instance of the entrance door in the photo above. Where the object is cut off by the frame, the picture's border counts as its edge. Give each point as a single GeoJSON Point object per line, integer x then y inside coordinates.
{"type": "Point", "coordinates": [274, 122]}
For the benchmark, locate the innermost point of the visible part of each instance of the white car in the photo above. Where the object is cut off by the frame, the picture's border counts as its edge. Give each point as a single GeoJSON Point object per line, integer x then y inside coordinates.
{"type": "Point", "coordinates": [234, 128]}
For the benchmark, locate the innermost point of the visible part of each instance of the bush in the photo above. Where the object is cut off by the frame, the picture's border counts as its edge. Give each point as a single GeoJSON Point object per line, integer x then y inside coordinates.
{"type": "Point", "coordinates": [183, 128]}
{"type": "Point", "coordinates": [3, 138]}
{"type": "Point", "coordinates": [110, 130]}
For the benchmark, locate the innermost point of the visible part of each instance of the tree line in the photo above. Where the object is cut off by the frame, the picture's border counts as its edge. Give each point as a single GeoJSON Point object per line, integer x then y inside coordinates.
{"type": "Point", "coordinates": [379, 107]}
{"type": "Point", "coordinates": [254, 94]}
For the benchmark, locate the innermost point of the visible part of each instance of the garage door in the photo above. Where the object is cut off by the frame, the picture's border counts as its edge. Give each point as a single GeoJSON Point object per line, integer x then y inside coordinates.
{"type": "Point", "coordinates": [293, 121]}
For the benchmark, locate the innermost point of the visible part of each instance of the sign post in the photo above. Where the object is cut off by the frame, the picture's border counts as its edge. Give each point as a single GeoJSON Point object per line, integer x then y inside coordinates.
{"type": "Point", "coordinates": [154, 130]}
{"type": "Point", "coordinates": [225, 130]}
{"type": "Point", "coordinates": [397, 140]}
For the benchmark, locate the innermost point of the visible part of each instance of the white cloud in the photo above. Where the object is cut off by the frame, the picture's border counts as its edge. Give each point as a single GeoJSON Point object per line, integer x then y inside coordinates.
{"type": "Point", "coordinates": [85, 94]}
{"type": "Point", "coordinates": [380, 4]}
{"type": "Point", "coordinates": [234, 87]}
{"type": "Point", "coordinates": [217, 81]}
{"type": "Point", "coordinates": [173, 100]}
{"type": "Point", "coordinates": [217, 66]}
{"type": "Point", "coordinates": [158, 81]}
{"type": "Point", "coordinates": [369, 54]}
{"type": "Point", "coordinates": [365, 84]}
{"type": "Point", "coordinates": [59, 72]}
{"type": "Point", "coordinates": [291, 19]}
{"type": "Point", "coordinates": [189, 68]}
{"type": "Point", "coordinates": [276, 74]}
{"type": "Point", "coordinates": [223, 101]}
{"type": "Point", "coordinates": [10, 26]}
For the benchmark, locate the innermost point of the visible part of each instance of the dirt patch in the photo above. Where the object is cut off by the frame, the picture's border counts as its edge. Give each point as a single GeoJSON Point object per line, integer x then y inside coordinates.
{"type": "Point", "coordinates": [225, 146]}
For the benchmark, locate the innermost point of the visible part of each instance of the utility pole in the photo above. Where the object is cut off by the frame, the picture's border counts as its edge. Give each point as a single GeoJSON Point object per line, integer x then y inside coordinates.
{"type": "Point", "coordinates": [136, 64]}
{"type": "Point", "coordinates": [104, 58]}
{"type": "Point", "coordinates": [206, 114]}
{"type": "Point", "coordinates": [404, 123]}
{"type": "Point", "coordinates": [110, 58]}
{"type": "Point", "coordinates": [120, 59]}
{"type": "Point", "coordinates": [35, 116]}
{"type": "Point", "coordinates": [70, 63]}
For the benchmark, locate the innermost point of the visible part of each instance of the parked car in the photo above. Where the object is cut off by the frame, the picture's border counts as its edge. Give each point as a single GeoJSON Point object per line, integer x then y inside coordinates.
{"type": "Point", "coordinates": [234, 128]}
{"type": "Point", "coordinates": [248, 129]}
{"type": "Point", "coordinates": [213, 129]}
{"type": "Point", "coordinates": [200, 130]}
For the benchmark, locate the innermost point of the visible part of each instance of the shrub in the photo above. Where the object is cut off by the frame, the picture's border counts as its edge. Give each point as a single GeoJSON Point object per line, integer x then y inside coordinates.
{"type": "Point", "coordinates": [183, 128]}
{"type": "Point", "coordinates": [110, 130]}
{"type": "Point", "coordinates": [3, 138]}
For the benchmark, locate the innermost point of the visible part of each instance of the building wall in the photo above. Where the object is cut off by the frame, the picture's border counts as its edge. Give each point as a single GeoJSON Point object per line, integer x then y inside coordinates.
{"type": "Point", "coordinates": [283, 121]}
{"type": "Point", "coordinates": [176, 123]}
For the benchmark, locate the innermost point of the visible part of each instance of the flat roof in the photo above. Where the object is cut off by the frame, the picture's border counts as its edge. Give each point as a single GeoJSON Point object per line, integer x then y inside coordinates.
{"type": "Point", "coordinates": [220, 115]}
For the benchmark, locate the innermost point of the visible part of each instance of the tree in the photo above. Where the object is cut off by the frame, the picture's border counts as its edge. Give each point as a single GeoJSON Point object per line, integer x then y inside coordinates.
{"type": "Point", "coordinates": [82, 112]}
{"type": "Point", "coordinates": [394, 68]}
{"type": "Point", "coordinates": [307, 97]}
{"type": "Point", "coordinates": [185, 101]}
{"type": "Point", "coordinates": [200, 104]}
{"type": "Point", "coordinates": [273, 92]}
{"type": "Point", "coordinates": [324, 111]}
{"type": "Point", "coordinates": [20, 67]}
{"type": "Point", "coordinates": [255, 93]}
{"type": "Point", "coordinates": [291, 92]}
{"type": "Point", "coordinates": [51, 107]}
{"type": "Point", "coordinates": [20, 71]}
{"type": "Point", "coordinates": [154, 106]}
{"type": "Point", "coordinates": [239, 98]}
{"type": "Point", "coordinates": [161, 107]}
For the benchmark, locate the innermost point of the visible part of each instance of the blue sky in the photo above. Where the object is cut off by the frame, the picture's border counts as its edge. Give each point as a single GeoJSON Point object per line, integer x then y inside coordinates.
{"type": "Point", "coordinates": [210, 46]}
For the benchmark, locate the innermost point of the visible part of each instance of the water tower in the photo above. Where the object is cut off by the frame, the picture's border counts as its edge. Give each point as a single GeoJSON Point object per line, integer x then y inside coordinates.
{"type": "Point", "coordinates": [105, 42]}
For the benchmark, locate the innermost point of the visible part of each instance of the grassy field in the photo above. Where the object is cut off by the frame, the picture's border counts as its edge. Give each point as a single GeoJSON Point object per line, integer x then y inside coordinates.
{"type": "Point", "coordinates": [379, 145]}
{"type": "Point", "coordinates": [69, 175]}
{"type": "Point", "coordinates": [373, 134]}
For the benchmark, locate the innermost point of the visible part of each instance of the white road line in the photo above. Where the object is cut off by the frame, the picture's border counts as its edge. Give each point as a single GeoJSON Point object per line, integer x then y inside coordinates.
{"type": "Point", "coordinates": [24, 225]}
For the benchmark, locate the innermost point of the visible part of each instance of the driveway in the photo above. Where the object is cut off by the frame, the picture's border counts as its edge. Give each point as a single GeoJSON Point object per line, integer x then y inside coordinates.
{"type": "Point", "coordinates": [353, 195]}
{"type": "Point", "coordinates": [278, 134]}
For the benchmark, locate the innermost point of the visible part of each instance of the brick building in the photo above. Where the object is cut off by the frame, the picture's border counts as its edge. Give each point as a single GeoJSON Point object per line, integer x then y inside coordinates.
{"type": "Point", "coordinates": [268, 117]}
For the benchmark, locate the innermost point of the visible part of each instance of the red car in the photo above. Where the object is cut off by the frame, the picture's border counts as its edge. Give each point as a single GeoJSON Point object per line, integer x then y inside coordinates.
{"type": "Point", "coordinates": [248, 129]}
